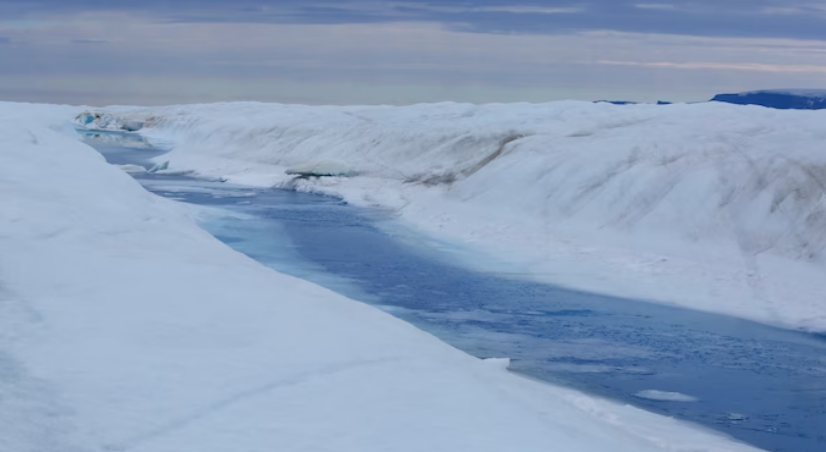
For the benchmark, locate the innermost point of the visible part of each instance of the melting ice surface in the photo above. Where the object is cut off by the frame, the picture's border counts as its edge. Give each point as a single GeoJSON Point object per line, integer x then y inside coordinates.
{"type": "Point", "coordinates": [763, 385]}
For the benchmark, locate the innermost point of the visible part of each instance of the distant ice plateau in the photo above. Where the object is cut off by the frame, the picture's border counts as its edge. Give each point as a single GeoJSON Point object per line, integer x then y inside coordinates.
{"type": "Point", "coordinates": [790, 99]}
{"type": "Point", "coordinates": [781, 99]}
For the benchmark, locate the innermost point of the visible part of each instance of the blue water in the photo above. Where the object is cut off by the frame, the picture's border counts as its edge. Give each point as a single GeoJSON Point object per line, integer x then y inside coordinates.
{"type": "Point", "coordinates": [762, 385]}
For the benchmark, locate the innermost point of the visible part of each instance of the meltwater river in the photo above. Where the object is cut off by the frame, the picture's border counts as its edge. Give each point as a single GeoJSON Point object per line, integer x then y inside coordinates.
{"type": "Point", "coordinates": [763, 385]}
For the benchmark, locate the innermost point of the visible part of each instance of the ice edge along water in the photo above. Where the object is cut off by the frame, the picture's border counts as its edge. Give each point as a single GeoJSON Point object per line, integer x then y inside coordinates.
{"type": "Point", "coordinates": [730, 365]}
{"type": "Point", "coordinates": [712, 206]}
{"type": "Point", "coordinates": [126, 327]}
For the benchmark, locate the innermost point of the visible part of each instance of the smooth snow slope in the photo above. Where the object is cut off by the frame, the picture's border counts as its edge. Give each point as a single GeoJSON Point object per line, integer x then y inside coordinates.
{"type": "Point", "coordinates": [710, 206]}
{"type": "Point", "coordinates": [125, 327]}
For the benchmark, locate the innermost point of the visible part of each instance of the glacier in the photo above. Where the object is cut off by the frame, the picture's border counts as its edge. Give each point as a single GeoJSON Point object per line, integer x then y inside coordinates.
{"type": "Point", "coordinates": [710, 206]}
{"type": "Point", "coordinates": [220, 353]}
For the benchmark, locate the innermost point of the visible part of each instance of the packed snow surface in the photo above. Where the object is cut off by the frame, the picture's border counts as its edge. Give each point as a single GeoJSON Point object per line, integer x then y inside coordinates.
{"type": "Point", "coordinates": [710, 206]}
{"type": "Point", "coordinates": [125, 327]}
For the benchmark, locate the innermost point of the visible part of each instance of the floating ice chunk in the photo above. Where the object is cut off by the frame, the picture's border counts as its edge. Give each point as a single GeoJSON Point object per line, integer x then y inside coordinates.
{"type": "Point", "coordinates": [321, 168]}
{"type": "Point", "coordinates": [159, 167]}
{"type": "Point", "coordinates": [169, 172]}
{"type": "Point", "coordinates": [665, 396]}
{"type": "Point", "coordinates": [234, 194]}
{"type": "Point", "coordinates": [132, 169]}
{"type": "Point", "coordinates": [131, 125]}
{"type": "Point", "coordinates": [162, 169]}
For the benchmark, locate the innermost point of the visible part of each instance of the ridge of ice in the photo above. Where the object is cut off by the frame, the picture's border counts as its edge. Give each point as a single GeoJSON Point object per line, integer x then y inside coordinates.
{"type": "Point", "coordinates": [321, 168]}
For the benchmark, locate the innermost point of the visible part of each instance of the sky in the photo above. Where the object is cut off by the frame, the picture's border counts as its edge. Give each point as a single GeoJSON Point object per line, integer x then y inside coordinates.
{"type": "Point", "coordinates": [152, 52]}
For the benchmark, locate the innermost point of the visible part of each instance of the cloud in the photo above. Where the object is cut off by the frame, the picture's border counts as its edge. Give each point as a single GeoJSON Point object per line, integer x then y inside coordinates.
{"type": "Point", "coordinates": [88, 41]}
{"type": "Point", "coordinates": [659, 6]}
{"type": "Point", "coordinates": [752, 67]}
{"type": "Point", "coordinates": [393, 62]}
{"type": "Point", "coordinates": [391, 52]}
{"type": "Point", "coordinates": [4, 40]}
{"type": "Point", "coordinates": [509, 9]}
{"type": "Point", "coordinates": [794, 10]}
{"type": "Point", "coordinates": [802, 19]}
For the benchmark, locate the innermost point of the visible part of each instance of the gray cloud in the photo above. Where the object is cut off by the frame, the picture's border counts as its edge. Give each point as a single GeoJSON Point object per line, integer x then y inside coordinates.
{"type": "Point", "coordinates": [89, 41]}
{"type": "Point", "coordinates": [4, 40]}
{"type": "Point", "coordinates": [729, 18]}
{"type": "Point", "coordinates": [402, 51]}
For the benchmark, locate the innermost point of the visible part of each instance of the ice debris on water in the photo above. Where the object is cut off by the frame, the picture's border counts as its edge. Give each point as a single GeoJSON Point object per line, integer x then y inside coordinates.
{"type": "Point", "coordinates": [664, 396]}
{"type": "Point", "coordinates": [159, 167]}
{"type": "Point", "coordinates": [132, 169]}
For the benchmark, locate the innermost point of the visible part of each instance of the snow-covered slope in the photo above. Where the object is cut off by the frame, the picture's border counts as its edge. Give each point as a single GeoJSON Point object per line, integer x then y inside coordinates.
{"type": "Point", "coordinates": [797, 99]}
{"type": "Point", "coordinates": [124, 327]}
{"type": "Point", "coordinates": [711, 206]}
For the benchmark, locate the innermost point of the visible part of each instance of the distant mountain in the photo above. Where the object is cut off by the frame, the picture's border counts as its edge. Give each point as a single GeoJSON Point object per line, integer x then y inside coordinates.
{"type": "Point", "coordinates": [615, 102]}
{"type": "Point", "coordinates": [627, 102]}
{"type": "Point", "coordinates": [782, 99]}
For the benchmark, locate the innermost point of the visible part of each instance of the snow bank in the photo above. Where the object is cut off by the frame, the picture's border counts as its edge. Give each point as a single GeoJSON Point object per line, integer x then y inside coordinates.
{"type": "Point", "coordinates": [710, 206]}
{"type": "Point", "coordinates": [209, 351]}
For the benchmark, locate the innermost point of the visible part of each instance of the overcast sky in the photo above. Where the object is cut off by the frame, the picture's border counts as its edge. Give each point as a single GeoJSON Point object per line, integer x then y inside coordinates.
{"type": "Point", "coordinates": [405, 51]}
